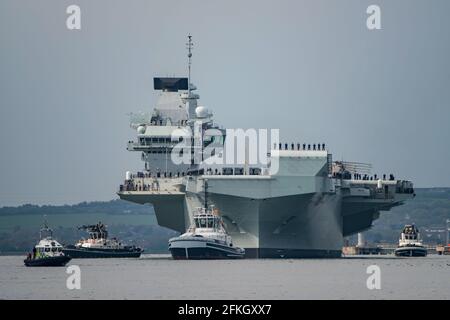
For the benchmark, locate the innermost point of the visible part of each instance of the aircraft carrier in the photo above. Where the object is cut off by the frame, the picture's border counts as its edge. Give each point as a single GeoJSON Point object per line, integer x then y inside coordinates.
{"type": "Point", "coordinates": [296, 203]}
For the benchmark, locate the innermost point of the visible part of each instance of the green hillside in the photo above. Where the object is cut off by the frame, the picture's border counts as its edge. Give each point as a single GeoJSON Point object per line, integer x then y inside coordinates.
{"type": "Point", "coordinates": [132, 223]}
{"type": "Point", "coordinates": [428, 210]}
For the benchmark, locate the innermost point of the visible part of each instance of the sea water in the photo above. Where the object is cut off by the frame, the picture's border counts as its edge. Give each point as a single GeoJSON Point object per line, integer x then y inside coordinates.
{"type": "Point", "coordinates": [160, 277]}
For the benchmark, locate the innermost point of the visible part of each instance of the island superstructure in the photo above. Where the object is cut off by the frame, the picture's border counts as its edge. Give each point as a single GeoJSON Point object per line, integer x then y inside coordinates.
{"type": "Point", "coordinates": [302, 208]}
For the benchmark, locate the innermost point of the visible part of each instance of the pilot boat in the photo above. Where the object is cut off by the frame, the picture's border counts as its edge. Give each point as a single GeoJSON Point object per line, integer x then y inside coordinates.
{"type": "Point", "coordinates": [410, 243]}
{"type": "Point", "coordinates": [206, 238]}
{"type": "Point", "coordinates": [98, 245]}
{"type": "Point", "coordinates": [48, 252]}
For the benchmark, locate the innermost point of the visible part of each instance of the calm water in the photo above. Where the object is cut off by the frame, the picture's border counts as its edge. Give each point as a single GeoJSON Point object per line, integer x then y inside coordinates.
{"type": "Point", "coordinates": [158, 277]}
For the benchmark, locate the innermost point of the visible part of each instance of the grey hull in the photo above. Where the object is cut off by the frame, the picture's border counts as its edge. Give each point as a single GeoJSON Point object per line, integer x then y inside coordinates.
{"type": "Point", "coordinates": [300, 226]}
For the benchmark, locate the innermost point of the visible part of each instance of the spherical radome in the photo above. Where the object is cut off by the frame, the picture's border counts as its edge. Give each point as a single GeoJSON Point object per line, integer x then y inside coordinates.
{"type": "Point", "coordinates": [201, 112]}
{"type": "Point", "coordinates": [141, 129]}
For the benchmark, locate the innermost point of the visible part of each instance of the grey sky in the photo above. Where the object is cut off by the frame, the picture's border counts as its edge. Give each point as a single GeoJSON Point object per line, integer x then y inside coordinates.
{"type": "Point", "coordinates": [310, 68]}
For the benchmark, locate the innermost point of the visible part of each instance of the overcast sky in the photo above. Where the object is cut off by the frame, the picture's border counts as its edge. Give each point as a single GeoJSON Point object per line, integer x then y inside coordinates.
{"type": "Point", "coordinates": [310, 68]}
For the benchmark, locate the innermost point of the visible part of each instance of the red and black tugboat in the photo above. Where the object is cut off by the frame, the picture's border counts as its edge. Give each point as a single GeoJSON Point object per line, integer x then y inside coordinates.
{"type": "Point", "coordinates": [98, 245]}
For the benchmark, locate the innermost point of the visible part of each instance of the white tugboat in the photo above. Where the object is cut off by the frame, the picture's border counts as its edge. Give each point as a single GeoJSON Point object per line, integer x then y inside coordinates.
{"type": "Point", "coordinates": [410, 243]}
{"type": "Point", "coordinates": [48, 252]}
{"type": "Point", "coordinates": [99, 246]}
{"type": "Point", "coordinates": [206, 238]}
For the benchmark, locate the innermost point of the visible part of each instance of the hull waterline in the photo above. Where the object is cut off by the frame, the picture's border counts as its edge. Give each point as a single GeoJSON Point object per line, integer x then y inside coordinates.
{"type": "Point", "coordinates": [199, 250]}
{"type": "Point", "coordinates": [411, 252]}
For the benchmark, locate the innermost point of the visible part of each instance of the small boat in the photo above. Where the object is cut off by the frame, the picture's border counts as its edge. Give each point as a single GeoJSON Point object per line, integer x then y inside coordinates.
{"type": "Point", "coordinates": [98, 245]}
{"type": "Point", "coordinates": [206, 238]}
{"type": "Point", "coordinates": [410, 243]}
{"type": "Point", "coordinates": [48, 252]}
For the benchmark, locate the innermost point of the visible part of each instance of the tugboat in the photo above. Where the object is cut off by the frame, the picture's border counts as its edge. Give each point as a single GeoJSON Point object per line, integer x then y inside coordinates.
{"type": "Point", "coordinates": [410, 243]}
{"type": "Point", "coordinates": [99, 246]}
{"type": "Point", "coordinates": [48, 252]}
{"type": "Point", "coordinates": [206, 238]}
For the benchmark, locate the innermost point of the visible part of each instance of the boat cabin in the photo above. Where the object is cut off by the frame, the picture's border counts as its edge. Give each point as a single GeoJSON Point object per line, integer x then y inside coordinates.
{"type": "Point", "coordinates": [47, 246]}
{"type": "Point", "coordinates": [410, 232]}
{"type": "Point", "coordinates": [208, 219]}
{"type": "Point", "coordinates": [410, 236]}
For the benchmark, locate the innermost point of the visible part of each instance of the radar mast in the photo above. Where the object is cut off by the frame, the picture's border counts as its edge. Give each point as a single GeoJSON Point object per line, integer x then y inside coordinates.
{"type": "Point", "coordinates": [189, 45]}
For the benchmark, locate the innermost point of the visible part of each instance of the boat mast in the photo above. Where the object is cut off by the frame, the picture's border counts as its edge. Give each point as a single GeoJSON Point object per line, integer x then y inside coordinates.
{"type": "Point", "coordinates": [45, 228]}
{"type": "Point", "coordinates": [189, 46]}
